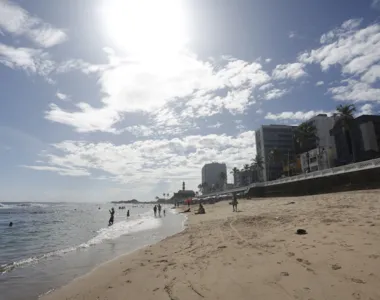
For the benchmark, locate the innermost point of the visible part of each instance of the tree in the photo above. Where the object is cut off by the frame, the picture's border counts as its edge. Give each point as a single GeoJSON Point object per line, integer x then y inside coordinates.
{"type": "Point", "coordinates": [167, 195]}
{"type": "Point", "coordinates": [223, 178]}
{"type": "Point", "coordinates": [306, 138]}
{"type": "Point", "coordinates": [234, 172]}
{"type": "Point", "coordinates": [200, 187]}
{"type": "Point", "coordinates": [346, 116]}
{"type": "Point", "coordinates": [258, 164]}
{"type": "Point", "coordinates": [157, 197]}
{"type": "Point", "coordinates": [163, 195]}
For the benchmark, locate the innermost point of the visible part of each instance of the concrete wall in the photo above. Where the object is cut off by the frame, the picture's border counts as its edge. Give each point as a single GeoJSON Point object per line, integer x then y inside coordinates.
{"type": "Point", "coordinates": [359, 180]}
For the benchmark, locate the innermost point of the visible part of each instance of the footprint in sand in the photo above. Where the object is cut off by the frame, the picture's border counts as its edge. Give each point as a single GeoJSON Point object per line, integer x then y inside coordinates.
{"type": "Point", "coordinates": [356, 280]}
{"type": "Point", "coordinates": [290, 254]}
{"type": "Point", "coordinates": [336, 267]}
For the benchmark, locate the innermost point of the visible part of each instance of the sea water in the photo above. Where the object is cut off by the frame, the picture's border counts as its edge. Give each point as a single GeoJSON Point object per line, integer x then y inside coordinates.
{"type": "Point", "coordinates": [50, 244]}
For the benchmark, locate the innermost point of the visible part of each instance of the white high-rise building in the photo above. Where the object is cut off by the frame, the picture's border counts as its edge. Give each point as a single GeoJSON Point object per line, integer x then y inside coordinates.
{"type": "Point", "coordinates": [323, 156]}
{"type": "Point", "coordinates": [211, 174]}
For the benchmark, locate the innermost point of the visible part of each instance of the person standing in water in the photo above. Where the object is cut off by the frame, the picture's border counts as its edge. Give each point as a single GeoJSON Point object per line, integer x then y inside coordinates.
{"type": "Point", "coordinates": [159, 209]}
{"type": "Point", "coordinates": [128, 213]}
{"type": "Point", "coordinates": [112, 212]}
{"type": "Point", "coordinates": [155, 210]}
{"type": "Point", "coordinates": [164, 212]}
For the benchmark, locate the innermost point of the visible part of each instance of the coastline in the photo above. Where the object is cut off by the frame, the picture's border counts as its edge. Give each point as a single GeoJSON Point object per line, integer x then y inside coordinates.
{"type": "Point", "coordinates": [253, 253]}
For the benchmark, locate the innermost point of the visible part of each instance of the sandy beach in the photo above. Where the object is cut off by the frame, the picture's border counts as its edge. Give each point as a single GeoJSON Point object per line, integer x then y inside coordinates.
{"type": "Point", "coordinates": [253, 254]}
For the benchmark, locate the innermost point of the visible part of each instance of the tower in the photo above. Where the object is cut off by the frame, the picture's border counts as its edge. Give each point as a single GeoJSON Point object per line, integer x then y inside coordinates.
{"type": "Point", "coordinates": [183, 186]}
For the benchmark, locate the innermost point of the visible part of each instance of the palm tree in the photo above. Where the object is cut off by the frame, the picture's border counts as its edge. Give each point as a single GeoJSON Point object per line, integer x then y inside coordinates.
{"type": "Point", "coordinates": [200, 187]}
{"type": "Point", "coordinates": [306, 137]}
{"type": "Point", "coordinates": [258, 162]}
{"type": "Point", "coordinates": [223, 178]}
{"type": "Point", "coordinates": [234, 172]}
{"type": "Point", "coordinates": [163, 195]}
{"type": "Point", "coordinates": [157, 197]}
{"type": "Point", "coordinates": [346, 115]}
{"type": "Point", "coordinates": [167, 195]}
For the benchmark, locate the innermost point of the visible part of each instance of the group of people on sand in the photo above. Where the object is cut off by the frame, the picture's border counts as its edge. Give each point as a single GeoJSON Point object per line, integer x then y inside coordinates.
{"type": "Point", "coordinates": [157, 209]}
{"type": "Point", "coordinates": [112, 217]}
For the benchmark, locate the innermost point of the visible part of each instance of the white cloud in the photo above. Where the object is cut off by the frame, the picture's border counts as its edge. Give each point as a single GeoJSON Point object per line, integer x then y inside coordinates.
{"type": "Point", "coordinates": [357, 52]}
{"type": "Point", "coordinates": [149, 85]}
{"type": "Point", "coordinates": [354, 90]}
{"type": "Point", "coordinates": [289, 71]}
{"type": "Point", "coordinates": [140, 130]}
{"type": "Point", "coordinates": [17, 21]}
{"type": "Point", "coordinates": [366, 109]}
{"type": "Point", "coordinates": [266, 86]}
{"type": "Point", "coordinates": [259, 111]}
{"type": "Point", "coordinates": [27, 59]}
{"type": "Point", "coordinates": [62, 96]}
{"type": "Point", "coordinates": [319, 83]}
{"type": "Point", "coordinates": [77, 172]}
{"type": "Point", "coordinates": [216, 125]}
{"type": "Point", "coordinates": [86, 120]}
{"type": "Point", "coordinates": [275, 93]}
{"type": "Point", "coordinates": [292, 34]}
{"type": "Point", "coordinates": [354, 49]}
{"type": "Point", "coordinates": [298, 115]}
{"type": "Point", "coordinates": [141, 163]}
{"type": "Point", "coordinates": [372, 75]}
{"type": "Point", "coordinates": [268, 60]}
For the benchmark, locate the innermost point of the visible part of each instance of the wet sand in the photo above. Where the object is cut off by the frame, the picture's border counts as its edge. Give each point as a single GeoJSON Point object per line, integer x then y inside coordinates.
{"type": "Point", "coordinates": [253, 254]}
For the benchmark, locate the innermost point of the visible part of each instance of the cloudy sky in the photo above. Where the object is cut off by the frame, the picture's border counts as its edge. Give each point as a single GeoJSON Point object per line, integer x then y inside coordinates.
{"type": "Point", "coordinates": [107, 99]}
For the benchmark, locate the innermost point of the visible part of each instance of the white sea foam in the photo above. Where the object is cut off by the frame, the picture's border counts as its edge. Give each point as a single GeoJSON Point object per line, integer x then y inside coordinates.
{"type": "Point", "coordinates": [145, 222]}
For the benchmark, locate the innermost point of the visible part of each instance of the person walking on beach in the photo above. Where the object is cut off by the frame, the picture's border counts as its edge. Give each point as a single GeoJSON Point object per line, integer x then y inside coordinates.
{"type": "Point", "coordinates": [128, 213]}
{"type": "Point", "coordinates": [164, 212]}
{"type": "Point", "coordinates": [234, 203]}
{"type": "Point", "coordinates": [112, 212]}
{"type": "Point", "coordinates": [155, 210]}
{"type": "Point", "coordinates": [159, 209]}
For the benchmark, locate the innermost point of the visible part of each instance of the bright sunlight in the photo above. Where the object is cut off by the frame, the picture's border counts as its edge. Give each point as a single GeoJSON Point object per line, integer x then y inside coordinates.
{"type": "Point", "coordinates": [146, 28]}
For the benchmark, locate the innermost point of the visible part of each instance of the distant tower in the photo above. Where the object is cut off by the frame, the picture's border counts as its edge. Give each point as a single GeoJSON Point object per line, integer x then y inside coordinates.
{"type": "Point", "coordinates": [183, 186]}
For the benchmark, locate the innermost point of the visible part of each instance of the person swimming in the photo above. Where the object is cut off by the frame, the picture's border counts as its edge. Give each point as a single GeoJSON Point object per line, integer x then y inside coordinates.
{"type": "Point", "coordinates": [112, 212]}
{"type": "Point", "coordinates": [10, 224]}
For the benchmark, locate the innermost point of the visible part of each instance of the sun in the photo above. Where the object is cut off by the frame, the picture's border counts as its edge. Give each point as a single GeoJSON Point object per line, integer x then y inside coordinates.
{"type": "Point", "coordinates": [146, 27]}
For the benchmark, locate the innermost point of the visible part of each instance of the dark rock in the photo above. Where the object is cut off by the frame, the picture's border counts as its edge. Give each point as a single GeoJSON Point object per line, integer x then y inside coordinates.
{"type": "Point", "coordinates": [301, 231]}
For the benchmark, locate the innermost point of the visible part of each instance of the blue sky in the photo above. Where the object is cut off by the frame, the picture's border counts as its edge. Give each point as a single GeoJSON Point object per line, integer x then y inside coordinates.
{"type": "Point", "coordinates": [108, 100]}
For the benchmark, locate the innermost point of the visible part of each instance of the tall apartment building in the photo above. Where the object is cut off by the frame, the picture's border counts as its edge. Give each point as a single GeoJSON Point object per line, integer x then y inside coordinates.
{"type": "Point", "coordinates": [279, 138]}
{"type": "Point", "coordinates": [323, 154]}
{"type": "Point", "coordinates": [211, 173]}
{"type": "Point", "coordinates": [361, 142]}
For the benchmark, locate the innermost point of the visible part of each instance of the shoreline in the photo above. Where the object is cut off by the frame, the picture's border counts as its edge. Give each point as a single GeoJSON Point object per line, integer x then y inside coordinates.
{"type": "Point", "coordinates": [120, 256]}
{"type": "Point", "coordinates": [253, 253]}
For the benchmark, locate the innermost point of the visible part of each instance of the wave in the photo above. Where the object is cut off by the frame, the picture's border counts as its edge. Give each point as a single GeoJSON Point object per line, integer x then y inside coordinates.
{"type": "Point", "coordinates": [109, 233]}
{"type": "Point", "coordinates": [22, 205]}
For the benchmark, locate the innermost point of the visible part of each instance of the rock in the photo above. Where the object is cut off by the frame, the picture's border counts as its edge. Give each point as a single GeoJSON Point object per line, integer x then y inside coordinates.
{"type": "Point", "coordinates": [284, 273]}
{"type": "Point", "coordinates": [301, 231]}
{"type": "Point", "coordinates": [336, 267]}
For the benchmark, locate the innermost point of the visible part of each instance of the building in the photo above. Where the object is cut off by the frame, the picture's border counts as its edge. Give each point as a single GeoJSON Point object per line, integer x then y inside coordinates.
{"type": "Point", "coordinates": [211, 175]}
{"type": "Point", "coordinates": [182, 195]}
{"type": "Point", "coordinates": [322, 154]}
{"type": "Point", "coordinates": [361, 142]}
{"type": "Point", "coordinates": [245, 177]}
{"type": "Point", "coordinates": [275, 139]}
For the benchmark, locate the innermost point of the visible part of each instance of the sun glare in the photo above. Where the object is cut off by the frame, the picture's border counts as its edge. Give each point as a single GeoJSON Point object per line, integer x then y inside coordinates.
{"type": "Point", "coordinates": [146, 27]}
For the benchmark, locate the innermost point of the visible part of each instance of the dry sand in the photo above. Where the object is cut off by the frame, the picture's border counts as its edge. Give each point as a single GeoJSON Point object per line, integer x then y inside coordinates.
{"type": "Point", "coordinates": [254, 254]}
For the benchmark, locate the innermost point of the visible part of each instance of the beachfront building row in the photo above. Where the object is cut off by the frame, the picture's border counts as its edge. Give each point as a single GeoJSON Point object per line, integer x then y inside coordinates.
{"type": "Point", "coordinates": [335, 144]}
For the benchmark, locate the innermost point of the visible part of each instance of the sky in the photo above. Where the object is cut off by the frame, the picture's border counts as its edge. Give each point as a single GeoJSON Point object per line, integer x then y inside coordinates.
{"type": "Point", "coordinates": [104, 100]}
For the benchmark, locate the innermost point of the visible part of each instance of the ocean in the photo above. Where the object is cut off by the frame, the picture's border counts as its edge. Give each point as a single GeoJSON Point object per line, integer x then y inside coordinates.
{"type": "Point", "coordinates": [51, 244]}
